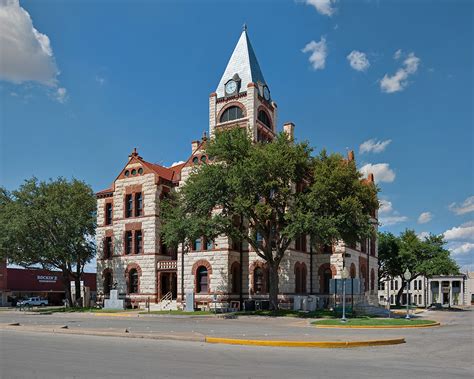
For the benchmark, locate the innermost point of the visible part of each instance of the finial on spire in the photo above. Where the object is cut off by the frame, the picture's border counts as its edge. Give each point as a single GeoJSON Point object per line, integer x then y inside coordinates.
{"type": "Point", "coordinates": [134, 153]}
{"type": "Point", "coordinates": [204, 136]}
{"type": "Point", "coordinates": [244, 27]}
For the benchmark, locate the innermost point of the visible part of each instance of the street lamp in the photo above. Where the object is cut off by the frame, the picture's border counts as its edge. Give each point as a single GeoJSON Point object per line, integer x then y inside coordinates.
{"type": "Point", "coordinates": [344, 275]}
{"type": "Point", "coordinates": [407, 276]}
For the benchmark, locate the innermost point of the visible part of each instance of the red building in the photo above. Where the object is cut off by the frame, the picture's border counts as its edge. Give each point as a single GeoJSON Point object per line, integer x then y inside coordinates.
{"type": "Point", "coordinates": [17, 283]}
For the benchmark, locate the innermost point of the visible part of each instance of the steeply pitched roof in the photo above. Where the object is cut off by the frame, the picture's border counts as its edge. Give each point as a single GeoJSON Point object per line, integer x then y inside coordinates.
{"type": "Point", "coordinates": [243, 62]}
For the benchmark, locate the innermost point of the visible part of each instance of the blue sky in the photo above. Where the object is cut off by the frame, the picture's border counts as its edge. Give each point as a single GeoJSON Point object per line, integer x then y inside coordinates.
{"type": "Point", "coordinates": [99, 78]}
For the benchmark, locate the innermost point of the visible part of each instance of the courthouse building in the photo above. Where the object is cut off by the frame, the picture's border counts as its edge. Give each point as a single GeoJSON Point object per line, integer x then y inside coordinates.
{"type": "Point", "coordinates": [133, 258]}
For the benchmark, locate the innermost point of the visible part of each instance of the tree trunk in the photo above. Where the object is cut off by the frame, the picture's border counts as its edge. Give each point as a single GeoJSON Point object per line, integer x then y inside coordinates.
{"type": "Point", "coordinates": [400, 292]}
{"type": "Point", "coordinates": [273, 281]}
{"type": "Point", "coordinates": [77, 287]}
{"type": "Point", "coordinates": [67, 288]}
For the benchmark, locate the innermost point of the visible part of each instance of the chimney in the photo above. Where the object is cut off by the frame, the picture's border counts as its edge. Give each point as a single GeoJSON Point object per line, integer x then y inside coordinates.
{"type": "Point", "coordinates": [350, 155]}
{"type": "Point", "coordinates": [194, 146]}
{"type": "Point", "coordinates": [289, 130]}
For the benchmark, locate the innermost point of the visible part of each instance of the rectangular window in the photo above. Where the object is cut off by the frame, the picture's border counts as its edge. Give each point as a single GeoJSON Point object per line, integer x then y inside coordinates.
{"type": "Point", "coordinates": [208, 244]}
{"type": "Point", "coordinates": [108, 247]}
{"type": "Point", "coordinates": [372, 247]}
{"type": "Point", "coordinates": [108, 213]}
{"type": "Point", "coordinates": [197, 244]}
{"type": "Point", "coordinates": [128, 242]}
{"type": "Point", "coordinates": [138, 242]}
{"type": "Point", "coordinates": [396, 285]}
{"type": "Point", "coordinates": [138, 204]}
{"type": "Point", "coordinates": [363, 246]}
{"type": "Point", "coordinates": [419, 284]}
{"type": "Point", "coordinates": [415, 285]}
{"type": "Point", "coordinates": [259, 238]}
{"type": "Point", "coordinates": [128, 205]}
{"type": "Point", "coordinates": [391, 285]}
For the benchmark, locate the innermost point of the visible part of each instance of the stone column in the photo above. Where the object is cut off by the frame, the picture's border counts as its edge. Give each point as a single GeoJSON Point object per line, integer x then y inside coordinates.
{"type": "Point", "coordinates": [451, 293]}
{"type": "Point", "coordinates": [440, 300]}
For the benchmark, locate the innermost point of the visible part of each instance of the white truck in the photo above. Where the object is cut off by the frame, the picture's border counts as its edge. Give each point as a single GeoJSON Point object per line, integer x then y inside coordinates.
{"type": "Point", "coordinates": [33, 302]}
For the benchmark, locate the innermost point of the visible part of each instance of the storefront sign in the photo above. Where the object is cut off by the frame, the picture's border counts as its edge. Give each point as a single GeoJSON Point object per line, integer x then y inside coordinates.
{"type": "Point", "coordinates": [47, 278]}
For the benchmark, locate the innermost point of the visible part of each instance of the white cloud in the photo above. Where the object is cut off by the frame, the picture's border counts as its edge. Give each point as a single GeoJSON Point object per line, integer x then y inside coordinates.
{"type": "Point", "coordinates": [463, 248]}
{"type": "Point", "coordinates": [385, 207]}
{"type": "Point", "coordinates": [382, 172]}
{"type": "Point", "coordinates": [466, 207]}
{"type": "Point", "coordinates": [358, 60]}
{"type": "Point", "coordinates": [373, 146]}
{"type": "Point", "coordinates": [399, 81]}
{"type": "Point", "coordinates": [176, 163]}
{"type": "Point", "coordinates": [388, 216]}
{"type": "Point", "coordinates": [100, 80]}
{"type": "Point", "coordinates": [318, 52]}
{"type": "Point", "coordinates": [425, 217]}
{"type": "Point", "coordinates": [61, 95]}
{"type": "Point", "coordinates": [324, 7]}
{"type": "Point", "coordinates": [26, 53]}
{"type": "Point", "coordinates": [397, 54]}
{"type": "Point", "coordinates": [423, 235]}
{"type": "Point", "coordinates": [392, 220]}
{"type": "Point", "coordinates": [463, 232]}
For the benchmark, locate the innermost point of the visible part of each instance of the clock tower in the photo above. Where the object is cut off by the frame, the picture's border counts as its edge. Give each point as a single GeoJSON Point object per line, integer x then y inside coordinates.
{"type": "Point", "coordinates": [242, 98]}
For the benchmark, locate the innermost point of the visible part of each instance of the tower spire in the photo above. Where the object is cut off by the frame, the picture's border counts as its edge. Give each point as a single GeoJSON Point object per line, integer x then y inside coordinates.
{"type": "Point", "coordinates": [244, 63]}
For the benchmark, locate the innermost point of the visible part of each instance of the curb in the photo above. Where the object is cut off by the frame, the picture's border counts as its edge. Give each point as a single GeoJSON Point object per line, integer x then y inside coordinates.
{"type": "Point", "coordinates": [317, 344]}
{"type": "Point", "coordinates": [377, 326]}
{"type": "Point", "coordinates": [98, 333]}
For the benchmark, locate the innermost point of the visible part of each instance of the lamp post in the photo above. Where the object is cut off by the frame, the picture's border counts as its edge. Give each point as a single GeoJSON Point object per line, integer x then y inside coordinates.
{"type": "Point", "coordinates": [407, 276]}
{"type": "Point", "coordinates": [344, 275]}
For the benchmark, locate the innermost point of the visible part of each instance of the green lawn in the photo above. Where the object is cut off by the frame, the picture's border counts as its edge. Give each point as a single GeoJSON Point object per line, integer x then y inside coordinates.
{"type": "Point", "coordinates": [320, 313]}
{"type": "Point", "coordinates": [364, 321]}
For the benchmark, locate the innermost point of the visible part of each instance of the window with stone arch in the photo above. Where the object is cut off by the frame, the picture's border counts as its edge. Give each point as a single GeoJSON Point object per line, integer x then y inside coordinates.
{"type": "Point", "coordinates": [260, 285]}
{"type": "Point", "coordinates": [133, 281]}
{"type": "Point", "coordinates": [232, 113]}
{"type": "Point", "coordinates": [202, 280]}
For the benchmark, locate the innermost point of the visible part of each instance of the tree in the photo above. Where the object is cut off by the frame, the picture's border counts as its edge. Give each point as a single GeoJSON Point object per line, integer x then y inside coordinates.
{"type": "Point", "coordinates": [50, 224]}
{"type": "Point", "coordinates": [422, 257]}
{"type": "Point", "coordinates": [255, 182]}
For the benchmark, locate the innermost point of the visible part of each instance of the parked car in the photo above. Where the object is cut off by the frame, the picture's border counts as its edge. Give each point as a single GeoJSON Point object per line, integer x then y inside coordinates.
{"type": "Point", "coordinates": [32, 302]}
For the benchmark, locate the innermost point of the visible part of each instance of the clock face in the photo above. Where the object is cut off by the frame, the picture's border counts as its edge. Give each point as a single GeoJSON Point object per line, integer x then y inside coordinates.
{"type": "Point", "coordinates": [230, 87]}
{"type": "Point", "coordinates": [266, 93]}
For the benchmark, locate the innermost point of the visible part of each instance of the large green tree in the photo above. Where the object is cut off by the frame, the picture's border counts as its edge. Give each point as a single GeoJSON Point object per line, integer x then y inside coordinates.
{"type": "Point", "coordinates": [422, 257]}
{"type": "Point", "coordinates": [49, 224]}
{"type": "Point", "coordinates": [278, 191]}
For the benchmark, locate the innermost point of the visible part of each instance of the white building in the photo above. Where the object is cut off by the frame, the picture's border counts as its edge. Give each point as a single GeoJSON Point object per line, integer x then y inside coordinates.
{"type": "Point", "coordinates": [445, 290]}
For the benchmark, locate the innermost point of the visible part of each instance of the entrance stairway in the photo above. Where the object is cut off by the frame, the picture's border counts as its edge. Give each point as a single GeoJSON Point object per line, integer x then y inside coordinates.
{"type": "Point", "coordinates": [165, 304]}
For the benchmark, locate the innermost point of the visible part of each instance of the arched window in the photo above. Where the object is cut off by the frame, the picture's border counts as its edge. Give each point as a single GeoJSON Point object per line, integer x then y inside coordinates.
{"type": "Point", "coordinates": [235, 278]}
{"type": "Point", "coordinates": [264, 119]}
{"type": "Point", "coordinates": [107, 282]}
{"type": "Point", "coordinates": [303, 278]}
{"type": "Point", "coordinates": [202, 280]}
{"type": "Point", "coordinates": [232, 113]}
{"type": "Point", "coordinates": [133, 281]}
{"type": "Point", "coordinates": [258, 281]}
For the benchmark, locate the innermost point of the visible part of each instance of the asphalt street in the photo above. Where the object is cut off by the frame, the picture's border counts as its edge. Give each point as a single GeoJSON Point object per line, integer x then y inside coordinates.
{"type": "Point", "coordinates": [445, 352]}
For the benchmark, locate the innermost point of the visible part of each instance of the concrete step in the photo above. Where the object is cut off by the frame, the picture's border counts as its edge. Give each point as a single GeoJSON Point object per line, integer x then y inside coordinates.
{"type": "Point", "coordinates": [166, 305]}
